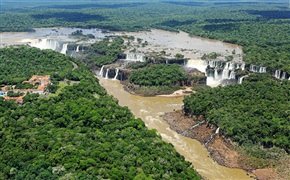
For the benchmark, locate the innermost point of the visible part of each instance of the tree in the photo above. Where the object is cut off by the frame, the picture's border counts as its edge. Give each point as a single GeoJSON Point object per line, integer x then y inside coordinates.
{"type": "Point", "coordinates": [179, 56]}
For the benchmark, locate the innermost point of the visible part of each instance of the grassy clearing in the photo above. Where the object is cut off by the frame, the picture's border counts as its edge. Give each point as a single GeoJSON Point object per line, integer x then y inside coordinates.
{"type": "Point", "coordinates": [61, 86]}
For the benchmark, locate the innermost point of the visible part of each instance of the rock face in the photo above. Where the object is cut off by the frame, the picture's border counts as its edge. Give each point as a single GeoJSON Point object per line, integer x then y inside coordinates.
{"type": "Point", "coordinates": [196, 77]}
{"type": "Point", "coordinates": [114, 72]}
{"type": "Point", "coordinates": [221, 149]}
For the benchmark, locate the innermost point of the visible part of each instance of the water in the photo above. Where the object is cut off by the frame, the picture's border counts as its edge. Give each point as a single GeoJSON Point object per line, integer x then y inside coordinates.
{"type": "Point", "coordinates": [191, 47]}
{"type": "Point", "coordinates": [117, 73]}
{"type": "Point", "coordinates": [182, 40]}
{"type": "Point", "coordinates": [64, 48]}
{"type": "Point", "coordinates": [149, 110]}
{"type": "Point", "coordinates": [198, 64]}
{"type": "Point", "coordinates": [101, 72]}
{"type": "Point", "coordinates": [107, 73]}
{"type": "Point", "coordinates": [56, 34]}
{"type": "Point", "coordinates": [158, 40]}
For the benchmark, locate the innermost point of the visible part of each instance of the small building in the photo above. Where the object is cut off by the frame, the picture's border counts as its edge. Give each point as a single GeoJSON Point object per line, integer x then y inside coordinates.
{"type": "Point", "coordinates": [18, 100]}
{"type": "Point", "coordinates": [42, 81]}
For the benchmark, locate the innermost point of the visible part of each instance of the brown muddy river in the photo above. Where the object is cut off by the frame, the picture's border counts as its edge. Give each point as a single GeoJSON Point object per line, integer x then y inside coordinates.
{"type": "Point", "coordinates": [182, 40]}
{"type": "Point", "coordinates": [150, 110]}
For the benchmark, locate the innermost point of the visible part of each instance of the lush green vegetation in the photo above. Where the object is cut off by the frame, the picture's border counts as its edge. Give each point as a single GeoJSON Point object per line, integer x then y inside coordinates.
{"type": "Point", "coordinates": [81, 133]}
{"type": "Point", "coordinates": [33, 62]}
{"type": "Point", "coordinates": [156, 79]}
{"type": "Point", "coordinates": [104, 52]}
{"type": "Point", "coordinates": [256, 112]}
{"type": "Point", "coordinates": [138, 65]}
{"type": "Point", "coordinates": [262, 28]}
{"type": "Point", "coordinates": [158, 75]}
{"type": "Point", "coordinates": [79, 34]}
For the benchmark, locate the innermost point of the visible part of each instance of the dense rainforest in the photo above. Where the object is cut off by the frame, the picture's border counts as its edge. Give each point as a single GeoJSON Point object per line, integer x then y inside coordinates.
{"type": "Point", "coordinates": [156, 79]}
{"type": "Point", "coordinates": [256, 112]}
{"type": "Point", "coordinates": [19, 64]}
{"type": "Point", "coordinates": [262, 28]}
{"type": "Point", "coordinates": [104, 52]}
{"type": "Point", "coordinates": [159, 75]}
{"type": "Point", "coordinates": [79, 133]}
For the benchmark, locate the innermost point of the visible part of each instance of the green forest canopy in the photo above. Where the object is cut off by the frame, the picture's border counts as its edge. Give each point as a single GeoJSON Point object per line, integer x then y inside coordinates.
{"type": "Point", "coordinates": [158, 75]}
{"type": "Point", "coordinates": [19, 64]}
{"type": "Point", "coordinates": [256, 112]}
{"type": "Point", "coordinates": [262, 28]}
{"type": "Point", "coordinates": [82, 133]}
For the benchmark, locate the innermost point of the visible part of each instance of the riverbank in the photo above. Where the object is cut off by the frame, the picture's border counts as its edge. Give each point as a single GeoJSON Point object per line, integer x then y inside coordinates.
{"type": "Point", "coordinates": [157, 91]}
{"type": "Point", "coordinates": [151, 110]}
{"type": "Point", "coordinates": [179, 93]}
{"type": "Point", "coordinates": [151, 91]}
{"type": "Point", "coordinates": [222, 150]}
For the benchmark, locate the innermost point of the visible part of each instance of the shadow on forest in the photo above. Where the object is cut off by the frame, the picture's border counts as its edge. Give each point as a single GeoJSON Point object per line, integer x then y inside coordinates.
{"type": "Point", "coordinates": [174, 23]}
{"type": "Point", "coordinates": [221, 27]}
{"type": "Point", "coordinates": [83, 6]}
{"type": "Point", "coordinates": [234, 3]}
{"type": "Point", "coordinates": [185, 3]}
{"type": "Point", "coordinates": [225, 20]}
{"type": "Point", "coordinates": [69, 16]}
{"type": "Point", "coordinates": [271, 14]}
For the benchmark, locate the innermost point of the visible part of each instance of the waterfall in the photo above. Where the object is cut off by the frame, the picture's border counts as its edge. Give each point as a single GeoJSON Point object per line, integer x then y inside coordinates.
{"type": "Point", "coordinates": [277, 74]}
{"type": "Point", "coordinates": [212, 136]}
{"type": "Point", "coordinates": [192, 127]}
{"type": "Point", "coordinates": [78, 49]}
{"type": "Point", "coordinates": [210, 139]}
{"type": "Point", "coordinates": [225, 74]}
{"type": "Point", "coordinates": [216, 74]}
{"type": "Point", "coordinates": [284, 75]}
{"type": "Point", "coordinates": [243, 66]}
{"type": "Point", "coordinates": [64, 49]}
{"type": "Point", "coordinates": [43, 43]}
{"type": "Point", "coordinates": [262, 70]}
{"type": "Point", "coordinates": [232, 75]}
{"type": "Point", "coordinates": [211, 64]}
{"type": "Point", "coordinates": [107, 73]}
{"type": "Point", "coordinates": [240, 80]}
{"type": "Point", "coordinates": [135, 57]}
{"type": "Point", "coordinates": [117, 73]}
{"type": "Point", "coordinates": [51, 44]}
{"type": "Point", "coordinates": [231, 66]}
{"type": "Point", "coordinates": [251, 67]}
{"type": "Point", "coordinates": [198, 64]}
{"type": "Point", "coordinates": [254, 68]}
{"type": "Point", "coordinates": [101, 72]}
{"type": "Point", "coordinates": [217, 130]}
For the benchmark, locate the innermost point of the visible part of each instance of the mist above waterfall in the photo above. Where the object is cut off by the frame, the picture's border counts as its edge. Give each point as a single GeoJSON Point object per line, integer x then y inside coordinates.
{"type": "Point", "coordinates": [43, 43]}
{"type": "Point", "coordinates": [197, 64]}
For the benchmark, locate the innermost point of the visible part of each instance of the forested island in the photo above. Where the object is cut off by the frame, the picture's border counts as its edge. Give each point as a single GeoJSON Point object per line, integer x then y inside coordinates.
{"type": "Point", "coordinates": [76, 130]}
